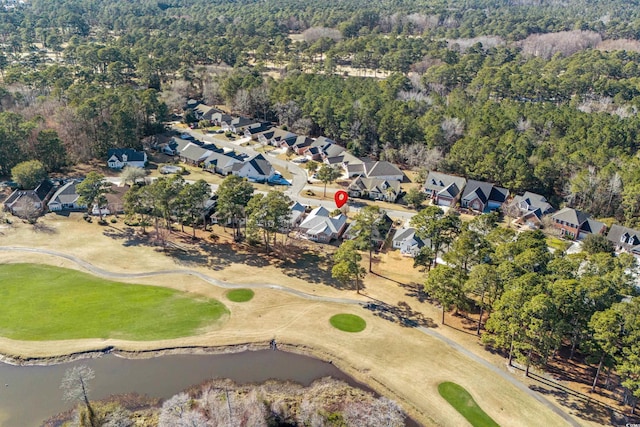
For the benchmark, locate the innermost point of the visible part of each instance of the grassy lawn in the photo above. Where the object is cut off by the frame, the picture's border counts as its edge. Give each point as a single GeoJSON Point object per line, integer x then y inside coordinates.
{"type": "Point", "coordinates": [240, 295]}
{"type": "Point", "coordinates": [39, 302]}
{"type": "Point", "coordinates": [460, 399]}
{"type": "Point", "coordinates": [558, 244]}
{"type": "Point", "coordinates": [348, 322]}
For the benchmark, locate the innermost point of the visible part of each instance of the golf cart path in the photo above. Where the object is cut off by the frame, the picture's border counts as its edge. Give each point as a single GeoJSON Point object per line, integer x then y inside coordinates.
{"type": "Point", "coordinates": [459, 348]}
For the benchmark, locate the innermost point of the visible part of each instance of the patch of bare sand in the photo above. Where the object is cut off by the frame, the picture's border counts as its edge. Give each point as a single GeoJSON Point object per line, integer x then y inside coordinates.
{"type": "Point", "coordinates": [397, 361]}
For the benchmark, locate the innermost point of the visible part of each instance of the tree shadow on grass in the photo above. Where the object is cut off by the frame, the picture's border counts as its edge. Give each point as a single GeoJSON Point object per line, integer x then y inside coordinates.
{"type": "Point", "coordinates": [39, 227]}
{"type": "Point", "coordinates": [582, 405]}
{"type": "Point", "coordinates": [128, 236]}
{"type": "Point", "coordinates": [310, 266]}
{"type": "Point", "coordinates": [401, 313]}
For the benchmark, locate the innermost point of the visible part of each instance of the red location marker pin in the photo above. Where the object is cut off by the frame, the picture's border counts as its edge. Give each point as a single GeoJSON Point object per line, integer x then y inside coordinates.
{"type": "Point", "coordinates": [341, 198]}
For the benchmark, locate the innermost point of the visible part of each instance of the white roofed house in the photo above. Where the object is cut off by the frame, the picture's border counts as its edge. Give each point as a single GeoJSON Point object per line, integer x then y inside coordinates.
{"type": "Point", "coordinates": [320, 226]}
{"type": "Point", "coordinates": [66, 198]}
{"type": "Point", "coordinates": [257, 169]}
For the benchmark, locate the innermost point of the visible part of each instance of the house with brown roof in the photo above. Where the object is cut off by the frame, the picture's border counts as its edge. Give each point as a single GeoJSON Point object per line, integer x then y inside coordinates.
{"type": "Point", "coordinates": [575, 224]}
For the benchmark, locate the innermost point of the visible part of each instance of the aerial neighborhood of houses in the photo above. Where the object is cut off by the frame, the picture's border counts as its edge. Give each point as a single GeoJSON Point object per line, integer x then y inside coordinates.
{"type": "Point", "coordinates": [367, 179]}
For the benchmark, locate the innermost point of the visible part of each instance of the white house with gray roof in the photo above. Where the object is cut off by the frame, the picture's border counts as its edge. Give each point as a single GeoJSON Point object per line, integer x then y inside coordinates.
{"type": "Point", "coordinates": [529, 208]}
{"type": "Point", "coordinates": [66, 198]}
{"type": "Point", "coordinates": [258, 169]}
{"type": "Point", "coordinates": [407, 242]}
{"type": "Point", "coordinates": [625, 239]}
{"type": "Point", "coordinates": [320, 226]}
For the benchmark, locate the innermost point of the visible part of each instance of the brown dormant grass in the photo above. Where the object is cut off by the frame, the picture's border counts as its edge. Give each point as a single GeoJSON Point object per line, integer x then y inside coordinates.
{"type": "Point", "coordinates": [400, 362]}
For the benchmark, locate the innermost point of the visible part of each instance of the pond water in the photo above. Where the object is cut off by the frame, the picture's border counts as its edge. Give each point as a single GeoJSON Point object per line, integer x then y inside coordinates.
{"type": "Point", "coordinates": [31, 394]}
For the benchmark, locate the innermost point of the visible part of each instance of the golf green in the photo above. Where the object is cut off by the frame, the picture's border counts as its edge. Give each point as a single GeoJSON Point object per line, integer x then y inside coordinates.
{"type": "Point", "coordinates": [348, 322]}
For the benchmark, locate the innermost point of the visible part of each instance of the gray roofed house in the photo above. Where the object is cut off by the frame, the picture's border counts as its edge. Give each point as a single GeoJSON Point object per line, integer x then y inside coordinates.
{"type": "Point", "coordinates": [26, 203]}
{"type": "Point", "coordinates": [444, 189]}
{"type": "Point", "coordinates": [117, 158]}
{"type": "Point", "coordinates": [221, 118]}
{"type": "Point", "coordinates": [374, 189]}
{"type": "Point", "coordinates": [483, 196]}
{"type": "Point", "coordinates": [369, 169]}
{"type": "Point", "coordinates": [254, 130]}
{"type": "Point", "coordinates": [221, 163]}
{"type": "Point", "coordinates": [575, 224]}
{"type": "Point", "coordinates": [332, 150]}
{"type": "Point", "coordinates": [194, 154]}
{"type": "Point", "coordinates": [205, 112]}
{"type": "Point", "coordinates": [319, 226]}
{"type": "Point", "coordinates": [406, 240]}
{"type": "Point", "coordinates": [301, 144]}
{"type": "Point", "coordinates": [276, 137]}
{"type": "Point", "coordinates": [529, 209]}
{"type": "Point", "coordinates": [625, 239]}
{"type": "Point", "coordinates": [66, 198]}
{"type": "Point", "coordinates": [297, 213]}
{"type": "Point", "coordinates": [258, 169]}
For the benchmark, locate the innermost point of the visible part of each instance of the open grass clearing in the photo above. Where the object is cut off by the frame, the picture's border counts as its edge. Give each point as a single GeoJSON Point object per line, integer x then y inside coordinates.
{"type": "Point", "coordinates": [464, 403]}
{"type": "Point", "coordinates": [558, 244]}
{"type": "Point", "coordinates": [240, 295]}
{"type": "Point", "coordinates": [41, 302]}
{"type": "Point", "coordinates": [348, 322]}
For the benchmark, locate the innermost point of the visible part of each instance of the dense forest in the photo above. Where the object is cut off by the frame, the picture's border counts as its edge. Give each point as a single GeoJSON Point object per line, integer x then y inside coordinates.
{"type": "Point", "coordinates": [534, 95]}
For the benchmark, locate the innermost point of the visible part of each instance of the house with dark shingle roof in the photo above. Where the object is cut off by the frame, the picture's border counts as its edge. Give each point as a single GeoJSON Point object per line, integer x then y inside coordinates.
{"type": "Point", "coordinates": [575, 224]}
{"type": "Point", "coordinates": [483, 196]}
{"type": "Point", "coordinates": [194, 154]}
{"type": "Point", "coordinates": [66, 198]}
{"type": "Point", "coordinates": [23, 203]}
{"type": "Point", "coordinates": [205, 112]}
{"type": "Point", "coordinates": [374, 189]}
{"type": "Point", "coordinates": [624, 239]}
{"type": "Point", "coordinates": [117, 158]}
{"type": "Point", "coordinates": [529, 209]}
{"type": "Point", "coordinates": [276, 137]}
{"type": "Point", "coordinates": [380, 170]}
{"type": "Point", "coordinates": [221, 163]}
{"type": "Point", "coordinates": [444, 189]}
{"type": "Point", "coordinates": [254, 130]}
{"type": "Point", "coordinates": [258, 169]}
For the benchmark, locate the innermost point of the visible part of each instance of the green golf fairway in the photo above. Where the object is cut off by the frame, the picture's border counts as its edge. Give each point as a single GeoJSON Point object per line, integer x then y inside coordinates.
{"type": "Point", "coordinates": [40, 302]}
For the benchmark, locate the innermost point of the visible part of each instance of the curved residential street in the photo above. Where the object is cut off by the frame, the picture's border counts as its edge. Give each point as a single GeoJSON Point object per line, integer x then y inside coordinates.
{"type": "Point", "coordinates": [454, 345]}
{"type": "Point", "coordinates": [299, 181]}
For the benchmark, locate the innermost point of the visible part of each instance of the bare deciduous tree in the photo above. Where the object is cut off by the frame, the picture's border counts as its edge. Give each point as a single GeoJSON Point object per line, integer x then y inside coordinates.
{"type": "Point", "coordinates": [315, 33]}
{"type": "Point", "coordinates": [564, 42]}
{"type": "Point", "coordinates": [75, 385]}
{"type": "Point", "coordinates": [380, 412]}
